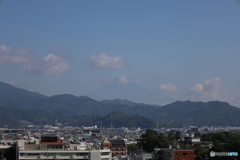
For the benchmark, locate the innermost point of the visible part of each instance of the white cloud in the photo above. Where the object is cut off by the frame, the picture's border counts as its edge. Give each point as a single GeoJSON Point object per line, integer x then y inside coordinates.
{"type": "Point", "coordinates": [169, 87]}
{"type": "Point", "coordinates": [198, 87]}
{"type": "Point", "coordinates": [105, 61]}
{"type": "Point", "coordinates": [49, 65]}
{"type": "Point", "coordinates": [20, 55]}
{"type": "Point", "coordinates": [124, 79]}
{"type": "Point", "coordinates": [210, 89]}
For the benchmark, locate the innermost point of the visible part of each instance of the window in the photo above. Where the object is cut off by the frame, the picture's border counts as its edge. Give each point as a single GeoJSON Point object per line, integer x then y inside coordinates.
{"type": "Point", "coordinates": [33, 154]}
{"type": "Point", "coordinates": [65, 154]}
{"type": "Point", "coordinates": [82, 154]}
{"type": "Point", "coordinates": [22, 154]}
{"type": "Point", "coordinates": [49, 154]}
{"type": "Point", "coordinates": [184, 154]}
{"type": "Point", "coordinates": [104, 153]}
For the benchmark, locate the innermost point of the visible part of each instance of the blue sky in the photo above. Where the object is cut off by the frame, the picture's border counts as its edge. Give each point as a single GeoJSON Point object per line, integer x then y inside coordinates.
{"type": "Point", "coordinates": [189, 50]}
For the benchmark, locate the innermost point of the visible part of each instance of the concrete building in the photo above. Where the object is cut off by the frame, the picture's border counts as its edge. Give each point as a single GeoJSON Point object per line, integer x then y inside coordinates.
{"type": "Point", "coordinates": [103, 154]}
{"type": "Point", "coordinates": [53, 149]}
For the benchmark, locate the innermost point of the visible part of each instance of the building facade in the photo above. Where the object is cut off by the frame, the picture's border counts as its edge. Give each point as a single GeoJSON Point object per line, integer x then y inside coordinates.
{"type": "Point", "coordinates": [118, 147]}
{"type": "Point", "coordinates": [52, 149]}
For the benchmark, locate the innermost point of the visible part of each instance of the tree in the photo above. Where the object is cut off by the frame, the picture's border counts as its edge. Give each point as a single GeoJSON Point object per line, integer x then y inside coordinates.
{"type": "Point", "coordinates": [177, 135]}
{"type": "Point", "coordinates": [152, 139]}
{"type": "Point", "coordinates": [132, 148]}
{"type": "Point", "coordinates": [173, 135]}
{"type": "Point", "coordinates": [197, 134]}
{"type": "Point", "coordinates": [222, 142]}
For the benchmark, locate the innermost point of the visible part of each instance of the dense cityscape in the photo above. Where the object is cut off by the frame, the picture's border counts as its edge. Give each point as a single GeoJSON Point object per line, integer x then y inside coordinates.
{"type": "Point", "coordinates": [93, 143]}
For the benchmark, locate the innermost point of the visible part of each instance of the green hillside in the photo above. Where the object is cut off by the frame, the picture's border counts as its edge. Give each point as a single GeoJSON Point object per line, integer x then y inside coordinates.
{"type": "Point", "coordinates": [213, 113]}
{"type": "Point", "coordinates": [12, 117]}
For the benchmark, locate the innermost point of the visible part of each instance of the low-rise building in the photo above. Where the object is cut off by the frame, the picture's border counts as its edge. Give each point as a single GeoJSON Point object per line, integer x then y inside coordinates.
{"type": "Point", "coordinates": [53, 149]}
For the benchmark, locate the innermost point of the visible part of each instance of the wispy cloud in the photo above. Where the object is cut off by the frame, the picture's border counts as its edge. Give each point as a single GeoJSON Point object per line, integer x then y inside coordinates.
{"type": "Point", "coordinates": [210, 89]}
{"type": "Point", "coordinates": [124, 79]}
{"type": "Point", "coordinates": [49, 65]}
{"type": "Point", "coordinates": [198, 87]}
{"type": "Point", "coordinates": [106, 62]}
{"type": "Point", "coordinates": [169, 87]}
{"type": "Point", "coordinates": [21, 55]}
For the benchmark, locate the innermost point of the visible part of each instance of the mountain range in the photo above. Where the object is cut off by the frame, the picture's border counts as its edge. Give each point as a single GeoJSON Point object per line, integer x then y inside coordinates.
{"type": "Point", "coordinates": [70, 107]}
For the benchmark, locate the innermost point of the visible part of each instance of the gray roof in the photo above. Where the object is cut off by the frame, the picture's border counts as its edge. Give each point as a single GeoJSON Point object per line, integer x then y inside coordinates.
{"type": "Point", "coordinates": [117, 142]}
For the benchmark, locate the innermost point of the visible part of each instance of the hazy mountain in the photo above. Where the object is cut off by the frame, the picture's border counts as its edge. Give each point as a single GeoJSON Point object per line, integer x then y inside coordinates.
{"type": "Point", "coordinates": [14, 96]}
{"type": "Point", "coordinates": [7, 90]}
{"type": "Point", "coordinates": [180, 113]}
{"type": "Point", "coordinates": [124, 101]}
{"type": "Point", "coordinates": [130, 91]}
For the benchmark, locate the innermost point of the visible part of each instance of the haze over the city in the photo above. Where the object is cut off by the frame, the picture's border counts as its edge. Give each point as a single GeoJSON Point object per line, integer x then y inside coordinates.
{"type": "Point", "coordinates": [182, 50]}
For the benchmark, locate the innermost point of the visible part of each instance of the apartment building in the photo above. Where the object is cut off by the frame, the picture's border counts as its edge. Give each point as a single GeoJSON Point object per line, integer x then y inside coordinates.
{"type": "Point", "coordinates": [51, 148]}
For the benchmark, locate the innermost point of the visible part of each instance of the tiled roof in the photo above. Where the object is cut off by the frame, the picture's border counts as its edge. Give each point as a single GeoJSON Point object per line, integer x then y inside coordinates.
{"type": "Point", "coordinates": [105, 141]}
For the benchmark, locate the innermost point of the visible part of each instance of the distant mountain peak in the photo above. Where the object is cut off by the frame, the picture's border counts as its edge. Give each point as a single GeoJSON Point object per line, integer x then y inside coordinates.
{"type": "Point", "coordinates": [123, 88]}
{"type": "Point", "coordinates": [122, 80]}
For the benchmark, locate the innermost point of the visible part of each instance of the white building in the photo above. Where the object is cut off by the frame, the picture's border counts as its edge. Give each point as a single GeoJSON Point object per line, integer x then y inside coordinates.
{"type": "Point", "coordinates": [104, 154]}
{"type": "Point", "coordinates": [58, 150]}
